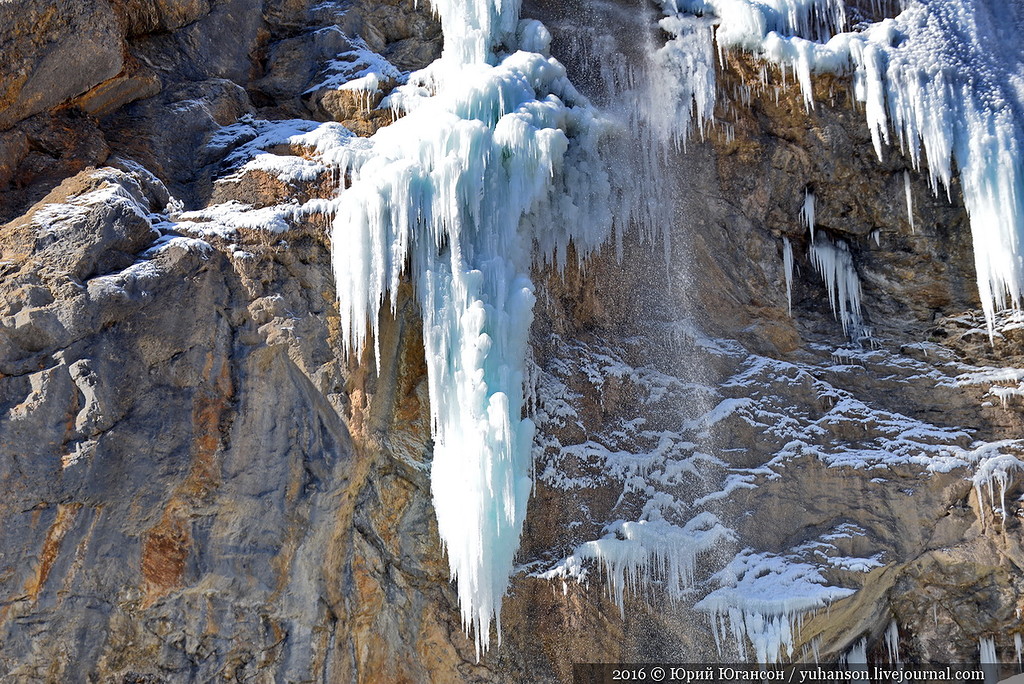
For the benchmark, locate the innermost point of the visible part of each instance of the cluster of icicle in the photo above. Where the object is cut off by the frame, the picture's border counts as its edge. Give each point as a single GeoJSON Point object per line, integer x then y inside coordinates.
{"type": "Point", "coordinates": [493, 164]}
{"type": "Point", "coordinates": [945, 77]}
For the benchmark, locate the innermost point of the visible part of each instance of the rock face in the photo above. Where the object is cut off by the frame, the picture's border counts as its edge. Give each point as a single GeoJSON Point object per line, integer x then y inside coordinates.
{"type": "Point", "coordinates": [202, 485]}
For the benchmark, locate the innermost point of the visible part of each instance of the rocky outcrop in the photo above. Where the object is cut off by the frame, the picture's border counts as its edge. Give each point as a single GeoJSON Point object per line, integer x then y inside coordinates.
{"type": "Point", "coordinates": [201, 485]}
{"type": "Point", "coordinates": [72, 71]}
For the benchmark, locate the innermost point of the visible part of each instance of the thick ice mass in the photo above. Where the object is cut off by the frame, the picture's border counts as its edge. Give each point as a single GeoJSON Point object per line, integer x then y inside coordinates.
{"type": "Point", "coordinates": [494, 165]}
{"type": "Point", "coordinates": [493, 162]}
{"type": "Point", "coordinates": [945, 78]}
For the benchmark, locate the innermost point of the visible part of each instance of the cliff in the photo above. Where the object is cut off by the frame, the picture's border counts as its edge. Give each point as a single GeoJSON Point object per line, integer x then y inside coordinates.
{"type": "Point", "coordinates": [201, 484]}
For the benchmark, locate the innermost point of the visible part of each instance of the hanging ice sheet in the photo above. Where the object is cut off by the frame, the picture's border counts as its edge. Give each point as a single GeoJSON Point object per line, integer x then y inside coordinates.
{"type": "Point", "coordinates": [945, 76]}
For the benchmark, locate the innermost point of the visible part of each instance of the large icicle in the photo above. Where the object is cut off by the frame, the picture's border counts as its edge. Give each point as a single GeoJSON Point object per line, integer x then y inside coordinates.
{"type": "Point", "coordinates": [496, 156]}
{"type": "Point", "coordinates": [910, 199]}
{"type": "Point", "coordinates": [892, 642]}
{"type": "Point", "coordinates": [787, 265]}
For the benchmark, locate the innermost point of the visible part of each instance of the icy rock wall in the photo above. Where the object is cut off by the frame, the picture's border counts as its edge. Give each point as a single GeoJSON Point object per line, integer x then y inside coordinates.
{"type": "Point", "coordinates": [943, 78]}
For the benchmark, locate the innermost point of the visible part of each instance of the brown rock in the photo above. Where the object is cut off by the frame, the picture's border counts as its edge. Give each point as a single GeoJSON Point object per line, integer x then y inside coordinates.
{"type": "Point", "coordinates": [13, 149]}
{"type": "Point", "coordinates": [148, 16]}
{"type": "Point", "coordinates": [54, 52]}
{"type": "Point", "coordinates": [113, 94]}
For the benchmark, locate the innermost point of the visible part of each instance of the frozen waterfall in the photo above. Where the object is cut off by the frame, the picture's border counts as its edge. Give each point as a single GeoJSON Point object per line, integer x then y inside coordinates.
{"type": "Point", "coordinates": [493, 165]}
{"type": "Point", "coordinates": [496, 164]}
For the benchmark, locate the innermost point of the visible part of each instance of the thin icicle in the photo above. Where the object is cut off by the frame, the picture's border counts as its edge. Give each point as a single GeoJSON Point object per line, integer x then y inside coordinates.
{"type": "Point", "coordinates": [787, 264]}
{"type": "Point", "coordinates": [910, 200]}
{"type": "Point", "coordinates": [807, 212]}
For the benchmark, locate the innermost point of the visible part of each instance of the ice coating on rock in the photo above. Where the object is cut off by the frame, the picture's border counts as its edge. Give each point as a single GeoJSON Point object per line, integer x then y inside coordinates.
{"type": "Point", "coordinates": [760, 601]}
{"type": "Point", "coordinates": [634, 554]}
{"type": "Point", "coordinates": [683, 96]}
{"type": "Point", "coordinates": [945, 78]}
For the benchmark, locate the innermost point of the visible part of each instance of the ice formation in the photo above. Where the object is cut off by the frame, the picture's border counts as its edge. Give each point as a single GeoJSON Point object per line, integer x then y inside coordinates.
{"type": "Point", "coordinates": [910, 199]}
{"type": "Point", "coordinates": [994, 472]}
{"type": "Point", "coordinates": [787, 265]}
{"type": "Point", "coordinates": [683, 96]}
{"type": "Point", "coordinates": [761, 600]}
{"type": "Point", "coordinates": [857, 655]}
{"type": "Point", "coordinates": [495, 164]}
{"type": "Point", "coordinates": [757, 599]}
{"type": "Point", "coordinates": [892, 642]}
{"type": "Point", "coordinates": [943, 77]}
{"type": "Point", "coordinates": [807, 212]}
{"type": "Point", "coordinates": [359, 69]}
{"type": "Point", "coordinates": [636, 554]}
{"type": "Point", "coordinates": [987, 651]}
{"type": "Point", "coordinates": [834, 263]}
{"type": "Point", "coordinates": [494, 161]}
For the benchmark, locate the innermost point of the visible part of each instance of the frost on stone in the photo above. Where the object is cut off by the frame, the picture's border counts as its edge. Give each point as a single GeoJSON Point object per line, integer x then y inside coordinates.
{"type": "Point", "coordinates": [761, 600]}
{"type": "Point", "coordinates": [942, 80]}
{"type": "Point", "coordinates": [357, 69]}
{"type": "Point", "coordinates": [671, 548]}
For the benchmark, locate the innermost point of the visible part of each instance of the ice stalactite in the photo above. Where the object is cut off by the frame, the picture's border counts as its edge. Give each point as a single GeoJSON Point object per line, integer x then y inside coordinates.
{"type": "Point", "coordinates": [943, 77]}
{"type": "Point", "coordinates": [991, 473]}
{"type": "Point", "coordinates": [787, 265]}
{"type": "Point", "coordinates": [910, 200]}
{"type": "Point", "coordinates": [989, 659]}
{"type": "Point", "coordinates": [807, 211]}
{"type": "Point", "coordinates": [494, 161]}
{"type": "Point", "coordinates": [892, 642]}
{"type": "Point", "coordinates": [858, 654]}
{"type": "Point", "coordinates": [987, 651]}
{"type": "Point", "coordinates": [834, 263]}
